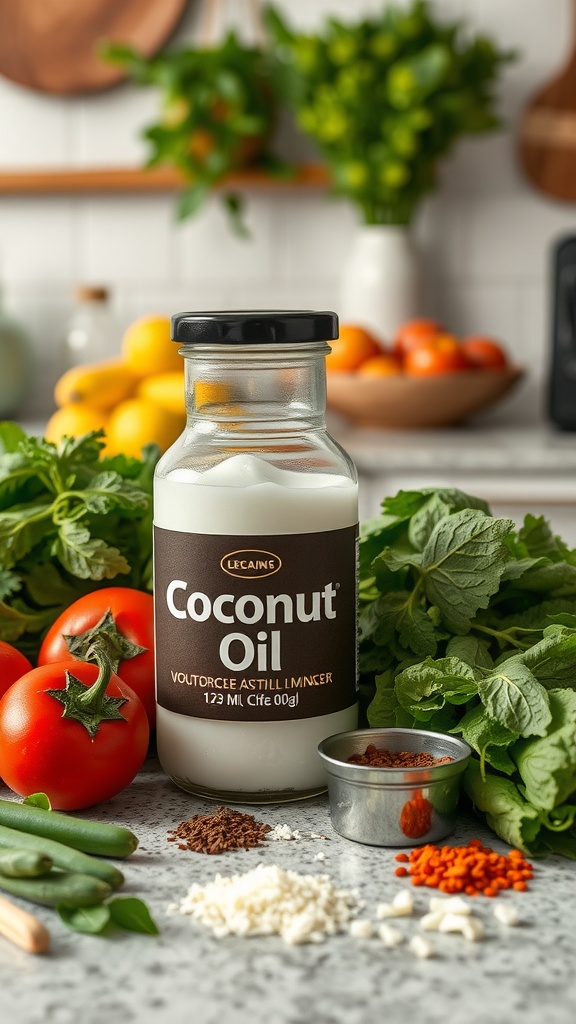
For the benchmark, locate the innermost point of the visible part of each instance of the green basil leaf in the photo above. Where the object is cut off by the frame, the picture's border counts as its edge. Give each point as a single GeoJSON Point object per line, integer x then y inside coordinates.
{"type": "Point", "coordinates": [90, 920]}
{"type": "Point", "coordinates": [462, 564]}
{"type": "Point", "coordinates": [38, 800]}
{"type": "Point", "coordinates": [547, 765]}
{"type": "Point", "coordinates": [381, 712]}
{"type": "Point", "coordinates": [553, 659]}
{"type": "Point", "coordinates": [132, 914]}
{"type": "Point", "coordinates": [556, 578]}
{"type": "Point", "coordinates": [428, 686]}
{"type": "Point", "coordinates": [488, 738]}
{"type": "Point", "coordinates": [471, 650]}
{"type": "Point", "coordinates": [539, 539]}
{"type": "Point", "coordinates": [510, 816]}
{"type": "Point", "coordinates": [514, 697]}
{"type": "Point", "coordinates": [442, 502]}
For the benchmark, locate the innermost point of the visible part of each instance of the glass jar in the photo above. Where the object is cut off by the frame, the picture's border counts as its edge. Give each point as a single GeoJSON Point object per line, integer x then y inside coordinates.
{"type": "Point", "coordinates": [255, 533]}
{"type": "Point", "coordinates": [91, 332]}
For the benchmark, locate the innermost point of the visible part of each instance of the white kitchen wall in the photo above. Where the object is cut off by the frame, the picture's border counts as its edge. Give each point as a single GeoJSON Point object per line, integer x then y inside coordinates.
{"type": "Point", "coordinates": [485, 235]}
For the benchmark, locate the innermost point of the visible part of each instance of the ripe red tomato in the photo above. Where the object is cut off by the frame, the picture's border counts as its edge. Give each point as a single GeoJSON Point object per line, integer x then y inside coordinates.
{"type": "Point", "coordinates": [442, 354]}
{"type": "Point", "coordinates": [13, 664]}
{"type": "Point", "coordinates": [485, 353]}
{"type": "Point", "coordinates": [413, 333]}
{"type": "Point", "coordinates": [42, 751]}
{"type": "Point", "coordinates": [133, 613]}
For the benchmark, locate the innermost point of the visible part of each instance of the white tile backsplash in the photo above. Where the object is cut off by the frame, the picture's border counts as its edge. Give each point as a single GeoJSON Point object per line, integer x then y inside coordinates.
{"type": "Point", "coordinates": [106, 128]}
{"type": "Point", "coordinates": [509, 237]}
{"type": "Point", "coordinates": [485, 236]}
{"type": "Point", "coordinates": [208, 252]}
{"type": "Point", "coordinates": [316, 232]}
{"type": "Point", "coordinates": [37, 240]}
{"type": "Point", "coordinates": [34, 128]}
{"type": "Point", "coordinates": [126, 238]}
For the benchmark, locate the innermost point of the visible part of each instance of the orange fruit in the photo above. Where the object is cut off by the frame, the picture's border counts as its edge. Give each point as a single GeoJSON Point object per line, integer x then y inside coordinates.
{"type": "Point", "coordinates": [413, 333]}
{"type": "Point", "coordinates": [484, 353]}
{"type": "Point", "coordinates": [352, 347]}
{"type": "Point", "coordinates": [441, 354]}
{"type": "Point", "coordinates": [380, 366]}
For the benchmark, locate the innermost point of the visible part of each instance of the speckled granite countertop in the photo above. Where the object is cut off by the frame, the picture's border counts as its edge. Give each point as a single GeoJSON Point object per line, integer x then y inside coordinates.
{"type": "Point", "coordinates": [523, 974]}
{"type": "Point", "coordinates": [533, 448]}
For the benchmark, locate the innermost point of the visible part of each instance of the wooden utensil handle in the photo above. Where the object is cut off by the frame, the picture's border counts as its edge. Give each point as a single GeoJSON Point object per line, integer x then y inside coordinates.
{"type": "Point", "coordinates": [22, 928]}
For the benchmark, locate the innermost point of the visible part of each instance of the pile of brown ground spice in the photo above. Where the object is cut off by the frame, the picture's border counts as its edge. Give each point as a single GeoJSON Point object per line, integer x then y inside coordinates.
{"type": "Point", "coordinates": [224, 829]}
{"type": "Point", "coordinates": [381, 758]}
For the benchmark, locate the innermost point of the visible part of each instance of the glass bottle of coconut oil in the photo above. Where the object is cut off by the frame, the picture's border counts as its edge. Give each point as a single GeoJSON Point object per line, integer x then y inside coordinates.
{"type": "Point", "coordinates": [255, 532]}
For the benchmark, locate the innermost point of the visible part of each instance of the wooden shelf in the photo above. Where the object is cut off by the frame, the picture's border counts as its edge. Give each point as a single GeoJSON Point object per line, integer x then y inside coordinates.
{"type": "Point", "coordinates": [128, 179]}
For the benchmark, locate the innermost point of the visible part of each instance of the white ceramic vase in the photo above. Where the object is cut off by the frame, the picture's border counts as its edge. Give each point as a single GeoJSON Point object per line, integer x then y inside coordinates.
{"type": "Point", "coordinates": [380, 287]}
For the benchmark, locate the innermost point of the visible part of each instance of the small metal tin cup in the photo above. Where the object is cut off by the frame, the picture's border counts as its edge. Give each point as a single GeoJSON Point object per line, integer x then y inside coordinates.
{"type": "Point", "coordinates": [393, 806]}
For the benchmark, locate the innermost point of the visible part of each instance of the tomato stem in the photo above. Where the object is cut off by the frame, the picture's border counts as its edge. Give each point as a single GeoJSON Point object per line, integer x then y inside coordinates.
{"type": "Point", "coordinates": [90, 706]}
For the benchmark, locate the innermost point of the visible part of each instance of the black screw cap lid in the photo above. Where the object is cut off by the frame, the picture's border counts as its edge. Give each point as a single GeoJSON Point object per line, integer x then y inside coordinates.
{"type": "Point", "coordinates": [254, 327]}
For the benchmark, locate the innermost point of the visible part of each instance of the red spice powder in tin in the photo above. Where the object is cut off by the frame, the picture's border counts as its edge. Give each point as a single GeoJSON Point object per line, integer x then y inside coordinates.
{"type": "Point", "coordinates": [377, 757]}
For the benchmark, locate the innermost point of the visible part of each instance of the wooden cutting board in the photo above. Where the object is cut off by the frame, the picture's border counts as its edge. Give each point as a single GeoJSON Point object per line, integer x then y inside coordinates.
{"type": "Point", "coordinates": [52, 45]}
{"type": "Point", "coordinates": [547, 143]}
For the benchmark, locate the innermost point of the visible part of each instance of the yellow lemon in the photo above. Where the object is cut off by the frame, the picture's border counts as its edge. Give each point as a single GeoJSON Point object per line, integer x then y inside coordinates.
{"type": "Point", "coordinates": [136, 422]}
{"type": "Point", "coordinates": [166, 389]}
{"type": "Point", "coordinates": [102, 385]}
{"type": "Point", "coordinates": [147, 349]}
{"type": "Point", "coordinates": [74, 420]}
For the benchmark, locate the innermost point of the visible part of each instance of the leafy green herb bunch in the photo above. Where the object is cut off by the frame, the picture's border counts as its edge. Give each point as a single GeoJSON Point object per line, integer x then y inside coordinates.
{"type": "Point", "coordinates": [218, 114]}
{"type": "Point", "coordinates": [385, 97]}
{"type": "Point", "coordinates": [71, 520]}
{"type": "Point", "coordinates": [468, 626]}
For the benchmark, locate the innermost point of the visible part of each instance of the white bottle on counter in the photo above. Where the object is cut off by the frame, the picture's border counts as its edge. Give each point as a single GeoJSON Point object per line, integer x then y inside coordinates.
{"type": "Point", "coordinates": [255, 524]}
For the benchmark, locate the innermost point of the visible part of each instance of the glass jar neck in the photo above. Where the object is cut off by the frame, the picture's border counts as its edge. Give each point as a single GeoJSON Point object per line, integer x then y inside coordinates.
{"type": "Point", "coordinates": [256, 388]}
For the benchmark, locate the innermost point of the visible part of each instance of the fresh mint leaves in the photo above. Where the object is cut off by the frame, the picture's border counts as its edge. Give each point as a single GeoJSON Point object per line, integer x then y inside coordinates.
{"type": "Point", "coordinates": [71, 520]}
{"type": "Point", "coordinates": [468, 625]}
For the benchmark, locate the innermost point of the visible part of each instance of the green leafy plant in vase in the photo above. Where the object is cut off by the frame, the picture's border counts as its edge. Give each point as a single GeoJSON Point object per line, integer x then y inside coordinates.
{"type": "Point", "coordinates": [218, 115]}
{"type": "Point", "coordinates": [384, 98]}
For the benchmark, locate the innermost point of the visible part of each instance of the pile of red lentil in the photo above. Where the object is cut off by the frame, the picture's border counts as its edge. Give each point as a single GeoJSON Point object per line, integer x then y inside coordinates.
{"type": "Point", "coordinates": [471, 869]}
{"type": "Point", "coordinates": [224, 829]}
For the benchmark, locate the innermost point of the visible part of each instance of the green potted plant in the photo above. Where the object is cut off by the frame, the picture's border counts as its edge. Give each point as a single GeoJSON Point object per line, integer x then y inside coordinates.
{"type": "Point", "coordinates": [217, 115]}
{"type": "Point", "coordinates": [385, 97]}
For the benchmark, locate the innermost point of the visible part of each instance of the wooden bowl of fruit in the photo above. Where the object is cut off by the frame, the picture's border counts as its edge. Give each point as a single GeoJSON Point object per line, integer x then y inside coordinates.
{"type": "Point", "coordinates": [427, 378]}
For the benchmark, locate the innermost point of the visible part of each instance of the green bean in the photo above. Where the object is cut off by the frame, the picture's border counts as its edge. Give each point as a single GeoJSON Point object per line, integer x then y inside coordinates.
{"type": "Point", "coordinates": [23, 863]}
{"type": "Point", "coordinates": [90, 836]}
{"type": "Point", "coordinates": [62, 856]}
{"type": "Point", "coordinates": [59, 887]}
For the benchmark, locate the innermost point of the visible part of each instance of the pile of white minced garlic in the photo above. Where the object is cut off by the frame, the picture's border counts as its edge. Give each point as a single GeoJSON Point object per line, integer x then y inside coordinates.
{"type": "Point", "coordinates": [307, 908]}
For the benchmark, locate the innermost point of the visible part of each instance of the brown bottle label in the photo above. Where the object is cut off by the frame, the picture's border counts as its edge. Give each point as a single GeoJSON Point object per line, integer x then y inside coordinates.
{"type": "Point", "coordinates": [254, 629]}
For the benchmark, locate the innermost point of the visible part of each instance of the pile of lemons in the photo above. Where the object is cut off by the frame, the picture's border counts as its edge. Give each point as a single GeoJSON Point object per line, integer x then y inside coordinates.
{"type": "Point", "coordinates": [136, 398]}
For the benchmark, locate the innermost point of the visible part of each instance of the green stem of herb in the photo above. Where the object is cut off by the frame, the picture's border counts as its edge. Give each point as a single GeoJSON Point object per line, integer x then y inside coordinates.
{"type": "Point", "coordinates": [503, 635]}
{"type": "Point", "coordinates": [415, 593]}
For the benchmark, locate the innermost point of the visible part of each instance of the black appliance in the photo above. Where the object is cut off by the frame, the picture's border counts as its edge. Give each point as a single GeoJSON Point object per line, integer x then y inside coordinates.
{"type": "Point", "coordinates": [562, 390]}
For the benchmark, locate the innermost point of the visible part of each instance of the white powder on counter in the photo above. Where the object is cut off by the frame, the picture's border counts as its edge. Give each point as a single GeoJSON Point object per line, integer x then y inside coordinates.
{"type": "Point", "coordinates": [278, 832]}
{"type": "Point", "coordinates": [271, 901]}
